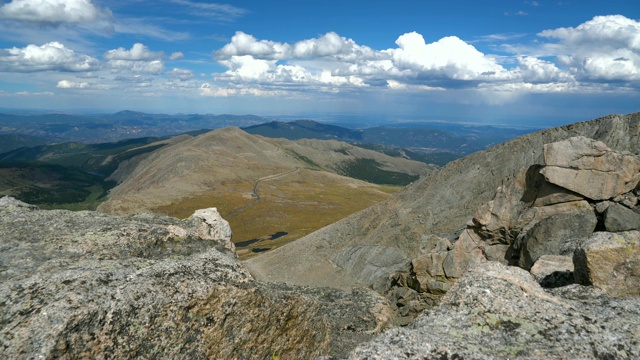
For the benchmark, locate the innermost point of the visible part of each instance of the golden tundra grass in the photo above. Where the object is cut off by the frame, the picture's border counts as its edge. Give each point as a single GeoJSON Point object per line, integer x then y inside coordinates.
{"type": "Point", "coordinates": [297, 204]}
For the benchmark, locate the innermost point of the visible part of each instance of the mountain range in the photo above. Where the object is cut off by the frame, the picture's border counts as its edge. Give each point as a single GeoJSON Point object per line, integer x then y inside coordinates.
{"type": "Point", "coordinates": [435, 143]}
{"type": "Point", "coordinates": [430, 142]}
{"type": "Point", "coordinates": [100, 128]}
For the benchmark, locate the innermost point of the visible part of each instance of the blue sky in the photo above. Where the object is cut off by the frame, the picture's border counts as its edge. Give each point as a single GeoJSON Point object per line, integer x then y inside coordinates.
{"type": "Point", "coordinates": [509, 62]}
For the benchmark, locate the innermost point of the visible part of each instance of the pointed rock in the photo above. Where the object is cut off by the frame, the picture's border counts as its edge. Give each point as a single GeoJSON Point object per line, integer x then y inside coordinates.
{"type": "Point", "coordinates": [211, 226]}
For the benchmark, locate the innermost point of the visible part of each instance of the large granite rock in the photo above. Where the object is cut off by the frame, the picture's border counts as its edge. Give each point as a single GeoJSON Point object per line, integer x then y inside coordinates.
{"type": "Point", "coordinates": [555, 235]}
{"type": "Point", "coordinates": [620, 218]}
{"type": "Point", "coordinates": [90, 285]}
{"type": "Point", "coordinates": [610, 261]}
{"type": "Point", "coordinates": [428, 269]}
{"type": "Point", "coordinates": [590, 168]}
{"type": "Point", "coordinates": [500, 312]}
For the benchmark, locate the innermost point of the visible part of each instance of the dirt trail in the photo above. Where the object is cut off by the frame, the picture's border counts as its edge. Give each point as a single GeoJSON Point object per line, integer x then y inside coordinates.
{"type": "Point", "coordinates": [254, 192]}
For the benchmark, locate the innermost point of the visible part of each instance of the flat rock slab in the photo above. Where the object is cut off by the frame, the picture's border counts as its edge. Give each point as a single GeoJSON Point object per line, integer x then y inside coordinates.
{"type": "Point", "coordinates": [590, 168]}
{"type": "Point", "coordinates": [553, 270]}
{"type": "Point", "coordinates": [91, 285]}
{"type": "Point", "coordinates": [610, 261]}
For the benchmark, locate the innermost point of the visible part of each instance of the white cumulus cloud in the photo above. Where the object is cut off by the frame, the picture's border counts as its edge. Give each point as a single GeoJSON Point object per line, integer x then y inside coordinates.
{"type": "Point", "coordinates": [244, 44]}
{"type": "Point", "coordinates": [606, 48]}
{"type": "Point", "coordinates": [52, 56]}
{"type": "Point", "coordinates": [533, 70]}
{"type": "Point", "coordinates": [176, 55]}
{"type": "Point", "coordinates": [328, 45]}
{"type": "Point", "coordinates": [138, 59]}
{"type": "Point", "coordinates": [601, 51]}
{"type": "Point", "coordinates": [449, 58]}
{"type": "Point", "coordinates": [331, 45]}
{"type": "Point", "coordinates": [137, 52]}
{"type": "Point", "coordinates": [53, 11]}
{"type": "Point", "coordinates": [334, 60]}
{"type": "Point", "coordinates": [66, 84]}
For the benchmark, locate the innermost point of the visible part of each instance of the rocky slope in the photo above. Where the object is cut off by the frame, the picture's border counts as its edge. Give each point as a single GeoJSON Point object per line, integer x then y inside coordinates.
{"type": "Point", "coordinates": [91, 285]}
{"type": "Point", "coordinates": [573, 223]}
{"type": "Point", "coordinates": [501, 312]}
{"type": "Point", "coordinates": [369, 246]}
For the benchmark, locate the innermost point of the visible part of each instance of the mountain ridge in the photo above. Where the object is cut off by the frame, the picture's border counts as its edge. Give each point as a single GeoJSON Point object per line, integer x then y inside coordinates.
{"type": "Point", "coordinates": [366, 247]}
{"type": "Point", "coordinates": [224, 168]}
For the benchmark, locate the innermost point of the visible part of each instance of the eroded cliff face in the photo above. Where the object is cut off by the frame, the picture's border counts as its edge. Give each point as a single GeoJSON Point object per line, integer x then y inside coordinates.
{"type": "Point", "coordinates": [92, 285]}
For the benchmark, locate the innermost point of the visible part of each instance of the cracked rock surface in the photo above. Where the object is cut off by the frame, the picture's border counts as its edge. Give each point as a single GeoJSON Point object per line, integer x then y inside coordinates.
{"type": "Point", "coordinates": [498, 312]}
{"type": "Point", "coordinates": [90, 285]}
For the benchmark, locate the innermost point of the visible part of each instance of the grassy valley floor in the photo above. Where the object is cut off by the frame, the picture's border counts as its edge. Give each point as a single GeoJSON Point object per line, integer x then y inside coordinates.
{"type": "Point", "coordinates": [286, 207]}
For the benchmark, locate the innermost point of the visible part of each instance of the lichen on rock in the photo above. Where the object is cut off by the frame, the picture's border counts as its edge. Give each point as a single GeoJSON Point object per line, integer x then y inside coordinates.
{"type": "Point", "coordinates": [91, 285]}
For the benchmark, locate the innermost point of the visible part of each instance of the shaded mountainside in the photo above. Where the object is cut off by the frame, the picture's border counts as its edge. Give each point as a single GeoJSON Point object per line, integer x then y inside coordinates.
{"type": "Point", "coordinates": [102, 159]}
{"type": "Point", "coordinates": [69, 175]}
{"type": "Point", "coordinates": [304, 129]}
{"type": "Point", "coordinates": [434, 143]}
{"type": "Point", "coordinates": [14, 141]}
{"type": "Point", "coordinates": [367, 247]}
{"type": "Point", "coordinates": [265, 186]}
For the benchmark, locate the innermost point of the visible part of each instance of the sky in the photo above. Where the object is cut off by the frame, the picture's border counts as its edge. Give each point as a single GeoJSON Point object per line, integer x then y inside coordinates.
{"type": "Point", "coordinates": [532, 63]}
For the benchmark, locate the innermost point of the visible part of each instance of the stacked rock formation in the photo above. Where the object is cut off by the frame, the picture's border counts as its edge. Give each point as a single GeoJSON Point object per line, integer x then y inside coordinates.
{"type": "Point", "coordinates": [573, 224]}
{"type": "Point", "coordinates": [584, 186]}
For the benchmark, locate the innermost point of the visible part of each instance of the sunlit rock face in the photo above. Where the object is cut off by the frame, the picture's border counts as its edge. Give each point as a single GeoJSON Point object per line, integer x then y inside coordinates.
{"type": "Point", "coordinates": [87, 284]}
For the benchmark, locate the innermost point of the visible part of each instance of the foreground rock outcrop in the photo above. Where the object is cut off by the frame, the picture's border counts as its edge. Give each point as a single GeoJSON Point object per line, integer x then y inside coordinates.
{"type": "Point", "coordinates": [499, 312]}
{"type": "Point", "coordinates": [90, 285]}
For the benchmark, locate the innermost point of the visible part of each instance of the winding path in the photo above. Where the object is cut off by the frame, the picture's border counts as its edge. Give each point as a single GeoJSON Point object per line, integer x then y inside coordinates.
{"type": "Point", "coordinates": [254, 192]}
